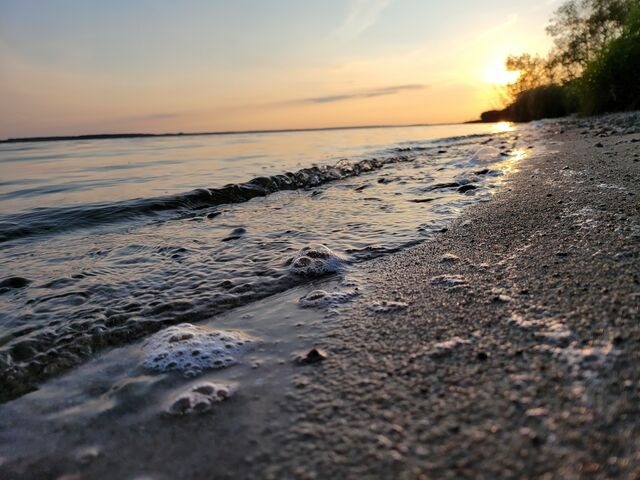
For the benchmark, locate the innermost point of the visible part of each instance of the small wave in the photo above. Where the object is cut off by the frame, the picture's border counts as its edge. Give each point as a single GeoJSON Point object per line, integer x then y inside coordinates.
{"type": "Point", "coordinates": [54, 220]}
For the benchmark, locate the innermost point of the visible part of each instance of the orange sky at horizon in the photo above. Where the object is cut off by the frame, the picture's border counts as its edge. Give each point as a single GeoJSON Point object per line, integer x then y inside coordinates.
{"type": "Point", "coordinates": [380, 72]}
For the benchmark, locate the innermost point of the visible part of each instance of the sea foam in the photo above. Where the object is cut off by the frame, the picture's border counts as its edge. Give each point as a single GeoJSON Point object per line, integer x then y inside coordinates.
{"type": "Point", "coordinates": [316, 260]}
{"type": "Point", "coordinates": [199, 398]}
{"type": "Point", "coordinates": [190, 349]}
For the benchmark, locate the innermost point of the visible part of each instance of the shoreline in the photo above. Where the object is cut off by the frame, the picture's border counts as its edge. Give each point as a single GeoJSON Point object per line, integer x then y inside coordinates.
{"type": "Point", "coordinates": [116, 136]}
{"type": "Point", "coordinates": [515, 355]}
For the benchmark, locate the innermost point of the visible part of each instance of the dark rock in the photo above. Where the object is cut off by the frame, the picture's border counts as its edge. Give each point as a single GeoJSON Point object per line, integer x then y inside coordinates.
{"type": "Point", "coordinates": [599, 145]}
{"type": "Point", "coordinates": [14, 282]}
{"type": "Point", "coordinates": [313, 356]}
{"type": "Point", "coordinates": [466, 188]}
{"type": "Point", "coordinates": [439, 186]}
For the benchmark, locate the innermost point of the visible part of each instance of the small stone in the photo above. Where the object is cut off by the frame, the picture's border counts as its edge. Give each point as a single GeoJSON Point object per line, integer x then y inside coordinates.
{"type": "Point", "coordinates": [466, 188]}
{"type": "Point", "coordinates": [313, 356]}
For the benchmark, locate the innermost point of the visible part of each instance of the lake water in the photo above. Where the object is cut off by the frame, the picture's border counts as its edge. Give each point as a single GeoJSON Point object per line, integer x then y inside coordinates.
{"type": "Point", "coordinates": [104, 242]}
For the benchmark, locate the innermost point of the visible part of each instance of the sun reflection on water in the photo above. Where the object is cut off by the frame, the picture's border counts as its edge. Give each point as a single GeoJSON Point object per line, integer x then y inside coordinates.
{"type": "Point", "coordinates": [503, 127]}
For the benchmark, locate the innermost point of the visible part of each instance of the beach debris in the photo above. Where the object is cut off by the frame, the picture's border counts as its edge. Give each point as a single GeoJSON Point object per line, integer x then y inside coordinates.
{"type": "Point", "coordinates": [324, 299]}
{"type": "Point", "coordinates": [316, 260]}
{"type": "Point", "coordinates": [190, 349]}
{"type": "Point", "coordinates": [387, 306]}
{"type": "Point", "coordinates": [312, 356]}
{"type": "Point", "coordinates": [199, 398]}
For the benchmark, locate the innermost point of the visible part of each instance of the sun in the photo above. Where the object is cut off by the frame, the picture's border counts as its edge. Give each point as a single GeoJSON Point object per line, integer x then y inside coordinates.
{"type": "Point", "coordinates": [496, 74]}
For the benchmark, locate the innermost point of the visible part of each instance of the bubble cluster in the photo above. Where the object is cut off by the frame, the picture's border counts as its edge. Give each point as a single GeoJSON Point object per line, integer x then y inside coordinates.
{"type": "Point", "coordinates": [446, 347]}
{"type": "Point", "coordinates": [316, 260]}
{"type": "Point", "coordinates": [487, 154]}
{"type": "Point", "coordinates": [199, 399]}
{"type": "Point", "coordinates": [386, 306]}
{"type": "Point", "coordinates": [324, 299]}
{"type": "Point", "coordinates": [450, 281]}
{"type": "Point", "coordinates": [190, 349]}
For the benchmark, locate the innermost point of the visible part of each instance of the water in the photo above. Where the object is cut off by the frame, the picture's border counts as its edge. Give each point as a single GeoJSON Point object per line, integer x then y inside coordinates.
{"type": "Point", "coordinates": [104, 242]}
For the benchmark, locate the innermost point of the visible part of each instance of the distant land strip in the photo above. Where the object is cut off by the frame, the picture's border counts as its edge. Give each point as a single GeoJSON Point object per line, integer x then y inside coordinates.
{"type": "Point", "coordinates": [113, 136]}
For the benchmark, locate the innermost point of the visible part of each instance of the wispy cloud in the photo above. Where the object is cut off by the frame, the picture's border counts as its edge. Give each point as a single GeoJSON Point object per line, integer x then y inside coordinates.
{"type": "Point", "coordinates": [375, 92]}
{"type": "Point", "coordinates": [362, 14]}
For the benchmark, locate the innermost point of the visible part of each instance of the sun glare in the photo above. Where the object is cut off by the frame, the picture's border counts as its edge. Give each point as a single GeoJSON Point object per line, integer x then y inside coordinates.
{"type": "Point", "coordinates": [497, 74]}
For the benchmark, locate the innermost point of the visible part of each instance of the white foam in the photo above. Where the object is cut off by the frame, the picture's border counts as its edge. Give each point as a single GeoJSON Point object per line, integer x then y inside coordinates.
{"type": "Point", "coordinates": [447, 346]}
{"type": "Point", "coordinates": [585, 361]}
{"type": "Point", "coordinates": [450, 280]}
{"type": "Point", "coordinates": [550, 329]}
{"type": "Point", "coordinates": [316, 260]}
{"type": "Point", "coordinates": [199, 398]}
{"type": "Point", "coordinates": [324, 299]}
{"type": "Point", "coordinates": [191, 349]}
{"type": "Point", "coordinates": [487, 154]}
{"type": "Point", "coordinates": [386, 306]}
{"type": "Point", "coordinates": [449, 257]}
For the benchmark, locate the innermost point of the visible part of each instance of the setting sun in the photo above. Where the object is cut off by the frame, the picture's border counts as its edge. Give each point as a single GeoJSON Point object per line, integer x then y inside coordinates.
{"type": "Point", "coordinates": [497, 74]}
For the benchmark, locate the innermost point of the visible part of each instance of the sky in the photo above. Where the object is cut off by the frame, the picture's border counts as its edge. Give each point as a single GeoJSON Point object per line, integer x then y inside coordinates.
{"type": "Point", "coordinates": [87, 66]}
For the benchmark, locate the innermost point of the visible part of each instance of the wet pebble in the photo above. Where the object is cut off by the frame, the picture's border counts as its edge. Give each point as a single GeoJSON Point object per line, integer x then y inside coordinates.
{"type": "Point", "coordinates": [14, 282]}
{"type": "Point", "coordinates": [312, 356]}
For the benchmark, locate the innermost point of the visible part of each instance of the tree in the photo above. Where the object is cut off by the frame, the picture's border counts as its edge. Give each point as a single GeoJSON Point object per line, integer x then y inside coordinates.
{"type": "Point", "coordinates": [534, 72]}
{"type": "Point", "coordinates": [581, 29]}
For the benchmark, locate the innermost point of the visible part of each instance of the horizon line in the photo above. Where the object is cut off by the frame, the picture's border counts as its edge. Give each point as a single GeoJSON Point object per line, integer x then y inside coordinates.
{"type": "Point", "coordinates": [115, 136]}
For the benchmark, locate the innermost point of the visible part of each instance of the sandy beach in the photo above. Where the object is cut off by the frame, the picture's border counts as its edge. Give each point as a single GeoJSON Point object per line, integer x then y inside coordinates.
{"type": "Point", "coordinates": [517, 355]}
{"type": "Point", "coordinates": [505, 347]}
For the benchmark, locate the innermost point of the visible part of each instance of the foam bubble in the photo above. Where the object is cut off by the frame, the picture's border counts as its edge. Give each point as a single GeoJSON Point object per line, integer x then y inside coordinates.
{"type": "Point", "coordinates": [199, 399]}
{"type": "Point", "coordinates": [450, 281]}
{"type": "Point", "coordinates": [449, 257]}
{"type": "Point", "coordinates": [446, 347]}
{"type": "Point", "coordinates": [487, 154]}
{"type": "Point", "coordinates": [386, 306]}
{"type": "Point", "coordinates": [323, 299]}
{"type": "Point", "coordinates": [316, 260]}
{"type": "Point", "coordinates": [191, 349]}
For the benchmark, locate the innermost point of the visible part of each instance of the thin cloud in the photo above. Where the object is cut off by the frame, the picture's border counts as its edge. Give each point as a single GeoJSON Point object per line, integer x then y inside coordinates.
{"type": "Point", "coordinates": [376, 92]}
{"type": "Point", "coordinates": [362, 14]}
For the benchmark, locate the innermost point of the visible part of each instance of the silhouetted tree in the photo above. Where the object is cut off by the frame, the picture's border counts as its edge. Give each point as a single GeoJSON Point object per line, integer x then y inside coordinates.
{"type": "Point", "coordinates": [581, 29]}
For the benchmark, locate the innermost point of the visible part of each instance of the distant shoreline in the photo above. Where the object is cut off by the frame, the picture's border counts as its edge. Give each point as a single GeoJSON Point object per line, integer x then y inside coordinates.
{"type": "Point", "coordinates": [114, 136]}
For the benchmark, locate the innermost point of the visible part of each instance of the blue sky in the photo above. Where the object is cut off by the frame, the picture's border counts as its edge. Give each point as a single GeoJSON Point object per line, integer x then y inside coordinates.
{"type": "Point", "coordinates": [71, 66]}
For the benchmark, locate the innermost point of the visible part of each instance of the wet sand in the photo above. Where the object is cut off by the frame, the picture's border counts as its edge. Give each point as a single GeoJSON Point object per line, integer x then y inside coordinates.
{"type": "Point", "coordinates": [508, 348]}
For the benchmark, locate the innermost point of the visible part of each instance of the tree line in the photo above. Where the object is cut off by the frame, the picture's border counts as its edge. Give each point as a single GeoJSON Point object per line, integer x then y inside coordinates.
{"type": "Point", "coordinates": [593, 67]}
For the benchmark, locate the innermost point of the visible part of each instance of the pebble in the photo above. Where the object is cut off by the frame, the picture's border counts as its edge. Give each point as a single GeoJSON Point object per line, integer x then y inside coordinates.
{"type": "Point", "coordinates": [312, 356]}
